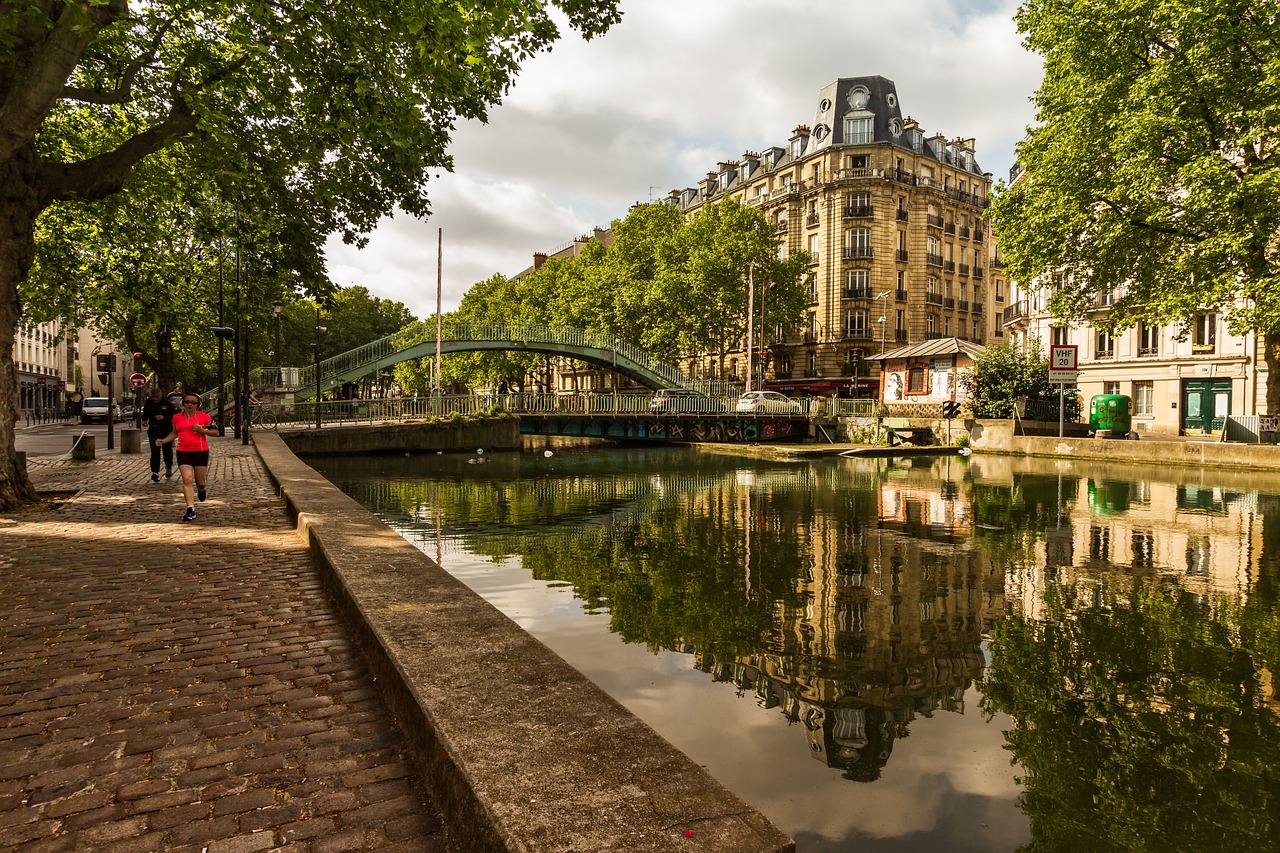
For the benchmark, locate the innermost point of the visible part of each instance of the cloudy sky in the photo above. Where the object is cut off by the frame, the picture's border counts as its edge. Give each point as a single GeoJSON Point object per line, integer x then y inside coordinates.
{"type": "Point", "coordinates": [593, 127]}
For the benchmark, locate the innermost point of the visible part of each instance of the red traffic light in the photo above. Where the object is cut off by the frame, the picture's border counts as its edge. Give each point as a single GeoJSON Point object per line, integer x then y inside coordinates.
{"type": "Point", "coordinates": [137, 355]}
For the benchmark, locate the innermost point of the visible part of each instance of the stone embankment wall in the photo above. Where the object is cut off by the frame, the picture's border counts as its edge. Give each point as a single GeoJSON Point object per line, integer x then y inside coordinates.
{"type": "Point", "coordinates": [522, 751]}
{"type": "Point", "coordinates": [997, 437]}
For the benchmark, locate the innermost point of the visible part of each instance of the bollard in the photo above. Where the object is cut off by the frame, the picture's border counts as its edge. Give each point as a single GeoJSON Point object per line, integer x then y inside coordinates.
{"type": "Point", "coordinates": [130, 441]}
{"type": "Point", "coordinates": [82, 448]}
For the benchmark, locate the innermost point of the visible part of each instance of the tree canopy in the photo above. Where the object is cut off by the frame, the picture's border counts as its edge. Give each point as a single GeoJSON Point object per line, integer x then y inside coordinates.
{"type": "Point", "coordinates": [674, 285]}
{"type": "Point", "coordinates": [332, 114]}
{"type": "Point", "coordinates": [1152, 169]}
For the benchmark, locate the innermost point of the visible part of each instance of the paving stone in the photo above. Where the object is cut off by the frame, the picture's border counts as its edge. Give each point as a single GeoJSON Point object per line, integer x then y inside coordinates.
{"type": "Point", "coordinates": [185, 687]}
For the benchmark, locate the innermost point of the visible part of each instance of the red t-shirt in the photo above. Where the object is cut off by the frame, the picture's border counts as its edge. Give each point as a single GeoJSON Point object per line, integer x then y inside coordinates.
{"type": "Point", "coordinates": [188, 439]}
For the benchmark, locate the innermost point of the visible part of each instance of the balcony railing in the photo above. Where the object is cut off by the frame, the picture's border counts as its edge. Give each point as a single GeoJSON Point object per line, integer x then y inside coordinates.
{"type": "Point", "coordinates": [855, 252]}
{"type": "Point", "coordinates": [964, 232]}
{"type": "Point", "coordinates": [857, 334]}
{"type": "Point", "coordinates": [934, 220]}
{"type": "Point", "coordinates": [948, 302]}
{"type": "Point", "coordinates": [902, 255]}
{"type": "Point", "coordinates": [949, 266]}
{"type": "Point", "coordinates": [964, 269]}
{"type": "Point", "coordinates": [933, 298]}
{"type": "Point", "coordinates": [977, 235]}
{"type": "Point", "coordinates": [1104, 354]}
{"type": "Point", "coordinates": [858, 211]}
{"type": "Point", "coordinates": [949, 228]}
{"type": "Point", "coordinates": [902, 216]}
{"type": "Point", "coordinates": [962, 305]}
{"type": "Point", "coordinates": [782, 227]}
{"type": "Point", "coordinates": [978, 273]}
{"type": "Point", "coordinates": [997, 264]}
{"type": "Point", "coordinates": [1146, 352]}
{"type": "Point", "coordinates": [1016, 311]}
{"type": "Point", "coordinates": [933, 260]}
{"type": "Point", "coordinates": [900, 295]}
{"type": "Point", "coordinates": [856, 292]}
{"type": "Point", "coordinates": [900, 335]}
{"type": "Point", "coordinates": [977, 308]}
{"type": "Point", "coordinates": [811, 220]}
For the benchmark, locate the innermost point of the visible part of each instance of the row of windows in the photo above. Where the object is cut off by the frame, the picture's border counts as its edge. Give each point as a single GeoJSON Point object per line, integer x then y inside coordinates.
{"type": "Point", "coordinates": [1204, 338]}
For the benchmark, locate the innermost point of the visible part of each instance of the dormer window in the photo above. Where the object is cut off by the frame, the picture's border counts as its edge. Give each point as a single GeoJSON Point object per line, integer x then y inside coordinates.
{"type": "Point", "coordinates": [797, 146]}
{"type": "Point", "coordinates": [859, 128]}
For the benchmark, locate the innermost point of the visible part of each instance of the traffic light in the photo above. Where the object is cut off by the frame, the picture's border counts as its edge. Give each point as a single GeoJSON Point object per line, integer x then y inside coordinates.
{"type": "Point", "coordinates": [137, 362]}
{"type": "Point", "coordinates": [102, 378]}
{"type": "Point", "coordinates": [950, 409]}
{"type": "Point", "coordinates": [855, 354]}
{"type": "Point", "coordinates": [106, 362]}
{"type": "Point", "coordinates": [764, 356]}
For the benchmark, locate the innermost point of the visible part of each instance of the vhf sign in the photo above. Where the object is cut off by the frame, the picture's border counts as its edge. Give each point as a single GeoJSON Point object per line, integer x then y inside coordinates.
{"type": "Point", "coordinates": [1063, 364]}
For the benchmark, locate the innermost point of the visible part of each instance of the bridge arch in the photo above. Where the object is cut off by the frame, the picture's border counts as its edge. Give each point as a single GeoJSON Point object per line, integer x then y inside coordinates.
{"type": "Point", "coordinates": [631, 361]}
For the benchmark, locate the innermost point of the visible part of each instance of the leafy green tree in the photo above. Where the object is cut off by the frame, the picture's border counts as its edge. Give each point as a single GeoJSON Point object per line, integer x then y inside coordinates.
{"type": "Point", "coordinates": [335, 112]}
{"type": "Point", "coordinates": [1009, 371]}
{"type": "Point", "coordinates": [1142, 718]}
{"type": "Point", "coordinates": [1153, 167]}
{"type": "Point", "coordinates": [698, 297]}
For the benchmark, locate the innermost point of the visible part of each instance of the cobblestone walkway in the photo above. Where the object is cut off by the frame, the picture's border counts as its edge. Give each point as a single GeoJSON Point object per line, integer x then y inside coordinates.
{"type": "Point", "coordinates": [186, 687]}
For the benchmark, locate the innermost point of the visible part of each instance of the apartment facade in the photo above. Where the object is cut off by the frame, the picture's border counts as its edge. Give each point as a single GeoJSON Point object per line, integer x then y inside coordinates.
{"type": "Point", "coordinates": [1183, 380]}
{"type": "Point", "coordinates": [892, 220]}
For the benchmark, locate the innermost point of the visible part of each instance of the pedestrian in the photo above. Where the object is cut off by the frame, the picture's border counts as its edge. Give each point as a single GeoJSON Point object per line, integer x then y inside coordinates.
{"type": "Point", "coordinates": [175, 397]}
{"type": "Point", "coordinates": [158, 412]}
{"type": "Point", "coordinates": [190, 429]}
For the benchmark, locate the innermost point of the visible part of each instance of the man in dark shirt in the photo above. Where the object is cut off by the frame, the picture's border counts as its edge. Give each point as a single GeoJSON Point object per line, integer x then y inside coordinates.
{"type": "Point", "coordinates": [158, 412]}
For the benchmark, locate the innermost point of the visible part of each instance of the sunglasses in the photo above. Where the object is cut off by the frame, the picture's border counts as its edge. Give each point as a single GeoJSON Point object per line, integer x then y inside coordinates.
{"type": "Point", "coordinates": [190, 402]}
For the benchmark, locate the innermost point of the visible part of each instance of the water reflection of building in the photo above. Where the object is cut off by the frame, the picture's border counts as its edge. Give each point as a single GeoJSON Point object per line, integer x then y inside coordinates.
{"type": "Point", "coordinates": [894, 609]}
{"type": "Point", "coordinates": [1204, 531]}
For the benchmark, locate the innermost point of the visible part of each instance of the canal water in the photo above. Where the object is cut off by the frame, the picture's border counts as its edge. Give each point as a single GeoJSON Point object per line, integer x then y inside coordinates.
{"type": "Point", "coordinates": [899, 654]}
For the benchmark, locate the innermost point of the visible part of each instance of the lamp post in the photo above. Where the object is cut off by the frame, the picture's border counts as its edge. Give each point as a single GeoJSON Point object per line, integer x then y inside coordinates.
{"type": "Point", "coordinates": [276, 308]}
{"type": "Point", "coordinates": [320, 330]}
{"type": "Point", "coordinates": [884, 330]}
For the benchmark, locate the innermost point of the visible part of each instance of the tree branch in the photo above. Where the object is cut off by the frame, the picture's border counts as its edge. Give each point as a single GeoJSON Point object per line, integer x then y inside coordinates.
{"type": "Point", "coordinates": [37, 85]}
{"type": "Point", "coordinates": [100, 176]}
{"type": "Point", "coordinates": [123, 92]}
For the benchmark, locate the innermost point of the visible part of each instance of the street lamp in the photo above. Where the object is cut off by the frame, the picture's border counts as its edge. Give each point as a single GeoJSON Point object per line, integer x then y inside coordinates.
{"type": "Point", "coordinates": [276, 308]}
{"type": "Point", "coordinates": [884, 328]}
{"type": "Point", "coordinates": [320, 330]}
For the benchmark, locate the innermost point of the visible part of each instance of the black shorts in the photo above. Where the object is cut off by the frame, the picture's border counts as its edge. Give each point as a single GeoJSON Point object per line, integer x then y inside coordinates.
{"type": "Point", "coordinates": [194, 458]}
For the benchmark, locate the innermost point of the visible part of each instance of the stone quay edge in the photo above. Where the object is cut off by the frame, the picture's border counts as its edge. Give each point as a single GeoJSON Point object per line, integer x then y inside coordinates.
{"type": "Point", "coordinates": [522, 752]}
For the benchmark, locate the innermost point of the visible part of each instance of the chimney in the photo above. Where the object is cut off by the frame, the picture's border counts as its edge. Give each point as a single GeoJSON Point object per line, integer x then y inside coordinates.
{"type": "Point", "coordinates": [539, 258]}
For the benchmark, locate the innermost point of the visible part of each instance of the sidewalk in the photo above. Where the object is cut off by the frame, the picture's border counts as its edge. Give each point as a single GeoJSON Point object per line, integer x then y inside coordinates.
{"type": "Point", "coordinates": [186, 687]}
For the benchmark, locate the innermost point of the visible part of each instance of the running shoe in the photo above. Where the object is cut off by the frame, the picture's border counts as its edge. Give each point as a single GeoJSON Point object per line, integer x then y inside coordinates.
{"type": "Point", "coordinates": [190, 514]}
{"type": "Point", "coordinates": [168, 472]}
{"type": "Point", "coordinates": [155, 478]}
{"type": "Point", "coordinates": [202, 494]}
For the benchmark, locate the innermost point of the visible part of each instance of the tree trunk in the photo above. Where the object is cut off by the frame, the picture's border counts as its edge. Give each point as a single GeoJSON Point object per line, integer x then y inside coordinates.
{"type": "Point", "coordinates": [18, 208]}
{"type": "Point", "coordinates": [1271, 346]}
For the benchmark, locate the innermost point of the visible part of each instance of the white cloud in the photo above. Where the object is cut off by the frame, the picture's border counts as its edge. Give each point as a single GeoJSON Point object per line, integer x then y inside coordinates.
{"type": "Point", "coordinates": [593, 127]}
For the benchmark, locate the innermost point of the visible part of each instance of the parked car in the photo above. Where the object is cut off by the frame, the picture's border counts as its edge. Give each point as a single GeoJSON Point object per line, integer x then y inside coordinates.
{"type": "Point", "coordinates": [768, 401]}
{"type": "Point", "coordinates": [96, 409]}
{"type": "Point", "coordinates": [677, 400]}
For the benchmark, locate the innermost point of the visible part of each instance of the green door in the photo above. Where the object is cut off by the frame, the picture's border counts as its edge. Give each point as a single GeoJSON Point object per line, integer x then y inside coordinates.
{"type": "Point", "coordinates": [1205, 402]}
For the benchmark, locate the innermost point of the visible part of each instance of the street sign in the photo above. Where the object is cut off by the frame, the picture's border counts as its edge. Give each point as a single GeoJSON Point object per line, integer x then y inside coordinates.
{"type": "Point", "coordinates": [1063, 357]}
{"type": "Point", "coordinates": [1062, 364]}
{"type": "Point", "coordinates": [137, 380]}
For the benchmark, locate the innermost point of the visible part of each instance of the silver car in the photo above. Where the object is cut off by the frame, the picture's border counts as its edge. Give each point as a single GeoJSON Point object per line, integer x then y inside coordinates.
{"type": "Point", "coordinates": [96, 409]}
{"type": "Point", "coordinates": [768, 401]}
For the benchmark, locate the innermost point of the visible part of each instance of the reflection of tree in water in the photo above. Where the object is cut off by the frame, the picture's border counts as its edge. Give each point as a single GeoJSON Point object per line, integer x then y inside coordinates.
{"type": "Point", "coordinates": [1145, 718]}
{"type": "Point", "coordinates": [780, 579]}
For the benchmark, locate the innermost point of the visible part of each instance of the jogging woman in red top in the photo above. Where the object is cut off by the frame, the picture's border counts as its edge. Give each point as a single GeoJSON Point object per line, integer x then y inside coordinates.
{"type": "Point", "coordinates": [190, 428]}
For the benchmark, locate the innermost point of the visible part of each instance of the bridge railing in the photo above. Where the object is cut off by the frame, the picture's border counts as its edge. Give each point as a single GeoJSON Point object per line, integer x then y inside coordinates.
{"type": "Point", "coordinates": [383, 348]}
{"type": "Point", "coordinates": [303, 414]}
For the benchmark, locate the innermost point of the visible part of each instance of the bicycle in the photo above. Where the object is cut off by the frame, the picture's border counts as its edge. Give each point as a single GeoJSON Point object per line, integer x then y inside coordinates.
{"type": "Point", "coordinates": [263, 418]}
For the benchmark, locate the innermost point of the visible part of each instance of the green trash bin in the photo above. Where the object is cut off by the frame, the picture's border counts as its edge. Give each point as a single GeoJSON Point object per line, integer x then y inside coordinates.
{"type": "Point", "coordinates": [1111, 413]}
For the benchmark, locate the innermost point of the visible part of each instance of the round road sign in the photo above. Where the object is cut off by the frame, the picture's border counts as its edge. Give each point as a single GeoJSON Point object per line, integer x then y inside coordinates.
{"type": "Point", "coordinates": [137, 380]}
